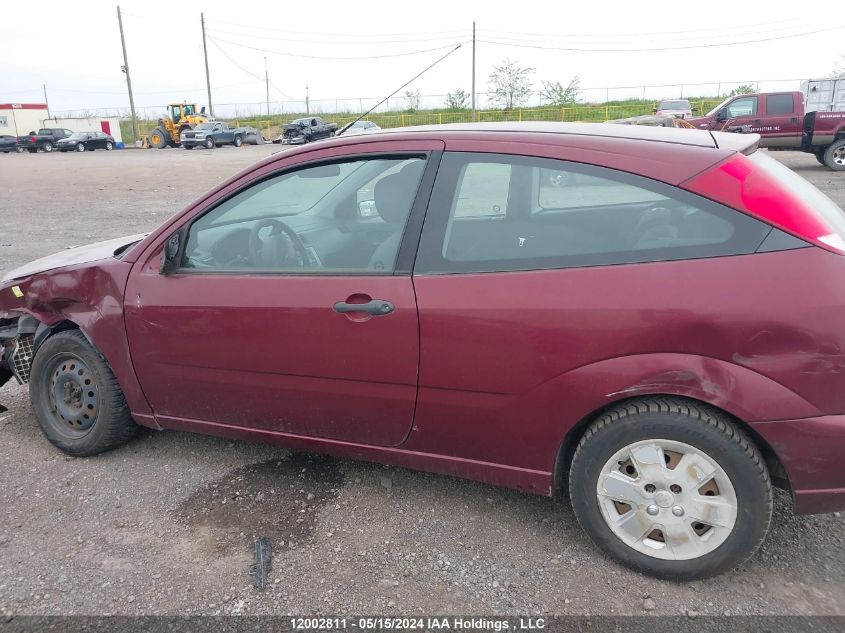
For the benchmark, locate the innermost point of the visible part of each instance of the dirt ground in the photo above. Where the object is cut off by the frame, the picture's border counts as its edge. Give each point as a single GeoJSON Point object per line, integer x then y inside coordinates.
{"type": "Point", "coordinates": [164, 525]}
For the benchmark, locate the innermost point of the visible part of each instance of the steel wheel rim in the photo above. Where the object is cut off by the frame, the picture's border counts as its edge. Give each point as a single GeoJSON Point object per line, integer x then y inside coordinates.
{"type": "Point", "coordinates": [73, 395]}
{"type": "Point", "coordinates": [667, 499]}
{"type": "Point", "coordinates": [839, 156]}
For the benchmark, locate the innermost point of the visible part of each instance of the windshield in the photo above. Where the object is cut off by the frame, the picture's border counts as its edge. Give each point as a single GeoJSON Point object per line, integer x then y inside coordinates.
{"type": "Point", "coordinates": [674, 105]}
{"type": "Point", "coordinates": [78, 136]}
{"type": "Point", "coordinates": [719, 107]}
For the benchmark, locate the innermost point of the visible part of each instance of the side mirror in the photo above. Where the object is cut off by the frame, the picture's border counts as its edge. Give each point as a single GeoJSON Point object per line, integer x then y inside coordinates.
{"type": "Point", "coordinates": [170, 256]}
{"type": "Point", "coordinates": [367, 208]}
{"type": "Point", "coordinates": [654, 110]}
{"type": "Point", "coordinates": [722, 115]}
{"type": "Point", "coordinates": [202, 110]}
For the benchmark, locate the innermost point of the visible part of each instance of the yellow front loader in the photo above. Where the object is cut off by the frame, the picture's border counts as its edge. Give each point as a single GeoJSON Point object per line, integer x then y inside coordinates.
{"type": "Point", "coordinates": [181, 116]}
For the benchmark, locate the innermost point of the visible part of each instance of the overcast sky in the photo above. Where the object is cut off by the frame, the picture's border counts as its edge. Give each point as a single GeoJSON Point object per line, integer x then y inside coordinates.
{"type": "Point", "coordinates": [74, 48]}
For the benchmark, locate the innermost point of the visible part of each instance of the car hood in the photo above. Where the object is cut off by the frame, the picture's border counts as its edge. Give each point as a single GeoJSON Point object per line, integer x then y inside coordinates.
{"type": "Point", "coordinates": [73, 256]}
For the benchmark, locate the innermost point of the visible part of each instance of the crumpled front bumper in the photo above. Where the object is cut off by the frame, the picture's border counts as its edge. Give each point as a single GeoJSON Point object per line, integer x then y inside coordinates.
{"type": "Point", "coordinates": [17, 347]}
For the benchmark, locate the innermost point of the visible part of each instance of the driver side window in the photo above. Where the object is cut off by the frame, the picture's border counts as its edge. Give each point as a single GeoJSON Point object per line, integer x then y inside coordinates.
{"type": "Point", "coordinates": [311, 220]}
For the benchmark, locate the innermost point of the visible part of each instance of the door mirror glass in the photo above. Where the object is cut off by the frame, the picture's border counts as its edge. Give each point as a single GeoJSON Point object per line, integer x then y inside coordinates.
{"type": "Point", "coordinates": [721, 115]}
{"type": "Point", "coordinates": [170, 256]}
{"type": "Point", "coordinates": [367, 208]}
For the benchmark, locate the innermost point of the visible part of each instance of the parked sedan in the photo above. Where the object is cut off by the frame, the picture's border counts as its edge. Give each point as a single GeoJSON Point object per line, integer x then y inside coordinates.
{"type": "Point", "coordinates": [680, 108]}
{"type": "Point", "coordinates": [82, 141]}
{"type": "Point", "coordinates": [662, 338]}
{"type": "Point", "coordinates": [9, 144]}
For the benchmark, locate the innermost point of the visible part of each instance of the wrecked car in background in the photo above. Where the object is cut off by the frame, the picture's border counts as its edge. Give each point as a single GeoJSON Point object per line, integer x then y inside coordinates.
{"type": "Point", "coordinates": [301, 131]}
{"type": "Point", "coordinates": [654, 120]}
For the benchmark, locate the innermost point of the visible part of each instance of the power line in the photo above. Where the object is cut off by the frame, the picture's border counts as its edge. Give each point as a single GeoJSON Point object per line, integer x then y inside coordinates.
{"type": "Point", "coordinates": [660, 48]}
{"type": "Point", "coordinates": [323, 33]}
{"type": "Point", "coordinates": [721, 29]}
{"type": "Point", "coordinates": [336, 58]}
{"type": "Point", "coordinates": [621, 40]}
{"type": "Point", "coordinates": [337, 40]}
{"type": "Point", "coordinates": [227, 56]}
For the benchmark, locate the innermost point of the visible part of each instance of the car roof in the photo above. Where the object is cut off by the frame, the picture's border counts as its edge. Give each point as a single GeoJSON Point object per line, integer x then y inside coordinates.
{"type": "Point", "coordinates": [678, 136]}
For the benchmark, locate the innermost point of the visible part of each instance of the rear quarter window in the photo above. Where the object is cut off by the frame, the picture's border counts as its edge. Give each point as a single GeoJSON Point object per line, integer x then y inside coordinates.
{"type": "Point", "coordinates": [492, 213]}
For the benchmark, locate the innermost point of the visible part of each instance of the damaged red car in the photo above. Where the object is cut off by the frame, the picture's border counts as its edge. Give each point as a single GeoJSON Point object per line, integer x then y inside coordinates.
{"type": "Point", "coordinates": [660, 335]}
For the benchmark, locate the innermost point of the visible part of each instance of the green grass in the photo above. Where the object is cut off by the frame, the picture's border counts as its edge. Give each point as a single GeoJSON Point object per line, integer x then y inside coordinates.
{"type": "Point", "coordinates": [593, 112]}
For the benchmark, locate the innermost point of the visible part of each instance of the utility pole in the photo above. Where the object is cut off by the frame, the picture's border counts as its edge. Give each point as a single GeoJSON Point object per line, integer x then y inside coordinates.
{"type": "Point", "coordinates": [267, 84]}
{"type": "Point", "coordinates": [125, 69]}
{"type": "Point", "coordinates": [207, 77]}
{"type": "Point", "coordinates": [46, 102]}
{"type": "Point", "coordinates": [307, 101]}
{"type": "Point", "coordinates": [473, 71]}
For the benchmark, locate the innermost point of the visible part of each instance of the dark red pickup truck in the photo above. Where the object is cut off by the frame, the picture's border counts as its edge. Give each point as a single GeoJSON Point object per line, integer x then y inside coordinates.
{"type": "Point", "coordinates": [780, 120]}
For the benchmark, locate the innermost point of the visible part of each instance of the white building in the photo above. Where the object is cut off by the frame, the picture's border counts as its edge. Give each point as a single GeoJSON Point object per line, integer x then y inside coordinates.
{"type": "Point", "coordinates": [18, 119]}
{"type": "Point", "coordinates": [109, 125]}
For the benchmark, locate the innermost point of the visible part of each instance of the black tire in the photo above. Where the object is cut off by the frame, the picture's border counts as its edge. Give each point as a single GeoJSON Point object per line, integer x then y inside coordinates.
{"type": "Point", "coordinates": [47, 147]}
{"type": "Point", "coordinates": [109, 146]}
{"type": "Point", "coordinates": [67, 358]}
{"type": "Point", "coordinates": [238, 140]}
{"type": "Point", "coordinates": [32, 150]}
{"type": "Point", "coordinates": [711, 433]}
{"type": "Point", "coordinates": [834, 155]}
{"type": "Point", "coordinates": [209, 143]}
{"type": "Point", "coordinates": [819, 157]}
{"type": "Point", "coordinates": [80, 147]}
{"type": "Point", "coordinates": [159, 138]}
{"type": "Point", "coordinates": [188, 146]}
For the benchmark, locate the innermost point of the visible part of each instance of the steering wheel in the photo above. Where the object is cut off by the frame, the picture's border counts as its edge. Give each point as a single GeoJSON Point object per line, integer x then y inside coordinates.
{"type": "Point", "coordinates": [281, 249]}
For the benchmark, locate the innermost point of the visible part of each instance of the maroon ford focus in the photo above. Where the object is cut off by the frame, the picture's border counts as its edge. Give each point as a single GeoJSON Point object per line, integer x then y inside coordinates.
{"type": "Point", "coordinates": [651, 319]}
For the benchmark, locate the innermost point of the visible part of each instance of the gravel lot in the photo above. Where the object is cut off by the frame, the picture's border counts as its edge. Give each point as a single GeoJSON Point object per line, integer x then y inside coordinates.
{"type": "Point", "coordinates": [163, 526]}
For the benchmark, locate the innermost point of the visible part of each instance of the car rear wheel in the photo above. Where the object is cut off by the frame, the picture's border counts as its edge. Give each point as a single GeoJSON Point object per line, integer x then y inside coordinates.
{"type": "Point", "coordinates": [19, 150]}
{"type": "Point", "coordinates": [80, 147]}
{"type": "Point", "coordinates": [76, 397]}
{"type": "Point", "coordinates": [671, 488]}
{"type": "Point", "coordinates": [47, 147]}
{"type": "Point", "coordinates": [109, 146]}
{"type": "Point", "coordinates": [834, 155]}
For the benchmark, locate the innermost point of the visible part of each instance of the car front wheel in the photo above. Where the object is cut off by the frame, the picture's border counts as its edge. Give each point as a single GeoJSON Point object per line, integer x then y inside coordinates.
{"type": "Point", "coordinates": [76, 397]}
{"type": "Point", "coordinates": [209, 143]}
{"type": "Point", "coordinates": [671, 488]}
{"type": "Point", "coordinates": [80, 147]}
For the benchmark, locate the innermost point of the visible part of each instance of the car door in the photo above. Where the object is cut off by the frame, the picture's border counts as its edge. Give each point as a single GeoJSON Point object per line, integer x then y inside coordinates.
{"type": "Point", "coordinates": [519, 284]}
{"type": "Point", "coordinates": [286, 328]}
{"type": "Point", "coordinates": [782, 125]}
{"type": "Point", "coordinates": [741, 111]}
